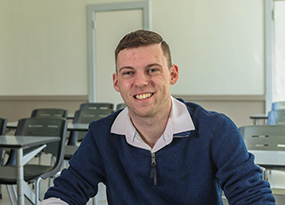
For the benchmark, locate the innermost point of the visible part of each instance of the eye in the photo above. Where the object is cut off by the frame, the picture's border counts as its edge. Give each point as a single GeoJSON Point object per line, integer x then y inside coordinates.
{"type": "Point", "coordinates": [153, 71]}
{"type": "Point", "coordinates": [127, 73]}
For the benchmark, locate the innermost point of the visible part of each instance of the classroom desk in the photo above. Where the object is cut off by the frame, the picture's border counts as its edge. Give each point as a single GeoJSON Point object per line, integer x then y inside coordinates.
{"type": "Point", "coordinates": [70, 116]}
{"type": "Point", "coordinates": [77, 127]}
{"type": "Point", "coordinates": [273, 158]}
{"type": "Point", "coordinates": [19, 143]}
{"type": "Point", "coordinates": [258, 117]}
{"type": "Point", "coordinates": [70, 126]}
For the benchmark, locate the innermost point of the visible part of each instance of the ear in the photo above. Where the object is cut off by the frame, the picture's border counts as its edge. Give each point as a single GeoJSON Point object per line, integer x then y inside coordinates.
{"type": "Point", "coordinates": [115, 82]}
{"type": "Point", "coordinates": [174, 74]}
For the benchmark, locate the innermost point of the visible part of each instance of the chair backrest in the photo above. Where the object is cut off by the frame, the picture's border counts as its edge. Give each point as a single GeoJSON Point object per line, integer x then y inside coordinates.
{"type": "Point", "coordinates": [86, 116]}
{"type": "Point", "coordinates": [96, 106]}
{"type": "Point", "coordinates": [49, 112]}
{"type": "Point", "coordinates": [266, 142]}
{"type": "Point", "coordinates": [276, 117]}
{"type": "Point", "coordinates": [120, 106]}
{"type": "Point", "coordinates": [278, 105]}
{"type": "Point", "coordinates": [89, 115]}
{"type": "Point", "coordinates": [46, 127]}
{"type": "Point", "coordinates": [3, 123]}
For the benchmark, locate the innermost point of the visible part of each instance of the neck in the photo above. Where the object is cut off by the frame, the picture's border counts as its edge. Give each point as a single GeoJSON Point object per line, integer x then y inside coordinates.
{"type": "Point", "coordinates": [151, 128]}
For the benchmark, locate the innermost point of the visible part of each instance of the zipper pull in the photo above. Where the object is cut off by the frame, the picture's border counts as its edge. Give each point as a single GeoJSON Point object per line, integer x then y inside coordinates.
{"type": "Point", "coordinates": [153, 172]}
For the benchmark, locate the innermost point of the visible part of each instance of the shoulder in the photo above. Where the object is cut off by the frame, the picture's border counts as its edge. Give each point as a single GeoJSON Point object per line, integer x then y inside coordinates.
{"type": "Point", "coordinates": [210, 123]}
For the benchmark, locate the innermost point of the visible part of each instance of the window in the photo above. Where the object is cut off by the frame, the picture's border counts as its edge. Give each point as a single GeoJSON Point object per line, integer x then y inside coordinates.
{"type": "Point", "coordinates": [279, 51]}
{"type": "Point", "coordinates": [274, 51]}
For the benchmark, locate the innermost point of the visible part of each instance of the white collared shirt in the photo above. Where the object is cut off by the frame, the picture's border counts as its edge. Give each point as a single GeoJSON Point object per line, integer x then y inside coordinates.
{"type": "Point", "coordinates": [178, 122]}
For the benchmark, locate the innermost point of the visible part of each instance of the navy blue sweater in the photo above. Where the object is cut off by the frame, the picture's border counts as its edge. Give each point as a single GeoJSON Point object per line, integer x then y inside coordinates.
{"type": "Point", "coordinates": [190, 170]}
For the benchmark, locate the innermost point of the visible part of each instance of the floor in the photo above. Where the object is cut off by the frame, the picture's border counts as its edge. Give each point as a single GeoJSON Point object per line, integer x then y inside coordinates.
{"type": "Point", "coordinates": [276, 179]}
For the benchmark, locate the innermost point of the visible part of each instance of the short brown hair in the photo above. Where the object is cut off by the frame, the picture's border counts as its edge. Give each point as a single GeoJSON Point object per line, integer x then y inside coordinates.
{"type": "Point", "coordinates": [143, 38]}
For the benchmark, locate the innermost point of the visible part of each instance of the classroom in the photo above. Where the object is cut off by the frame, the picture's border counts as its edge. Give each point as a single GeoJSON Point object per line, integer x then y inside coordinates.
{"type": "Point", "coordinates": [60, 54]}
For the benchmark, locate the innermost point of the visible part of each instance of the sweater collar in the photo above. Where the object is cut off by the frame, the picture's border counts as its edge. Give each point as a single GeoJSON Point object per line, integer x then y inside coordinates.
{"type": "Point", "coordinates": [179, 125]}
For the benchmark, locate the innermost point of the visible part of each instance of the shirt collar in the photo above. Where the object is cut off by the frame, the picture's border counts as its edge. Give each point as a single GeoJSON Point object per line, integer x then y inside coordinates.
{"type": "Point", "coordinates": [179, 123]}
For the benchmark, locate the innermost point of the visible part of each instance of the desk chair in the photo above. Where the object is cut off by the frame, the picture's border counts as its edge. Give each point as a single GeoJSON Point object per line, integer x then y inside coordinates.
{"type": "Point", "coordinates": [261, 118]}
{"type": "Point", "coordinates": [49, 112]}
{"type": "Point", "coordinates": [33, 173]}
{"type": "Point", "coordinates": [85, 116]}
{"type": "Point", "coordinates": [120, 106]}
{"type": "Point", "coordinates": [278, 105]}
{"type": "Point", "coordinates": [3, 123]}
{"type": "Point", "coordinates": [276, 117]}
{"type": "Point", "coordinates": [97, 105]}
{"type": "Point", "coordinates": [267, 143]}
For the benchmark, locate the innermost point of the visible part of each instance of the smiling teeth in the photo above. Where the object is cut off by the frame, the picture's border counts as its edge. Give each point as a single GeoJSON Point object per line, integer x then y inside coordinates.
{"type": "Point", "coordinates": [143, 96]}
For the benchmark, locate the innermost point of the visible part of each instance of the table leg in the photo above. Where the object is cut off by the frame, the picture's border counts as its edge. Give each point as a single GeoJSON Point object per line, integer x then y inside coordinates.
{"type": "Point", "coordinates": [20, 177]}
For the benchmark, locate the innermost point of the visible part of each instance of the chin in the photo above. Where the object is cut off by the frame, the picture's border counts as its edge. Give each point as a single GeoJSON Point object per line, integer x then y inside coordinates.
{"type": "Point", "coordinates": [143, 112]}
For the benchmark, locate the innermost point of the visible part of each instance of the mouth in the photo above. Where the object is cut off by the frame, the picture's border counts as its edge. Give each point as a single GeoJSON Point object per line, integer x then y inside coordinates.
{"type": "Point", "coordinates": [143, 96]}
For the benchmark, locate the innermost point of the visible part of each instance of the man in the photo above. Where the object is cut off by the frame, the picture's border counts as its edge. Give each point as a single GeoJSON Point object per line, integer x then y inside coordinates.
{"type": "Point", "coordinates": [159, 150]}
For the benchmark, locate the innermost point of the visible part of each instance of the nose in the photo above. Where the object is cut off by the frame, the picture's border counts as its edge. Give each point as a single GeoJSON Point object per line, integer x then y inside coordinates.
{"type": "Point", "coordinates": [141, 79]}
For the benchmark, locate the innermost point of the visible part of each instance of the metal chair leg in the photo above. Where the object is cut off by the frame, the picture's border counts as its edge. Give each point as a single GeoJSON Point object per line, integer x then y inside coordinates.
{"type": "Point", "coordinates": [40, 158]}
{"type": "Point", "coordinates": [15, 192]}
{"type": "Point", "coordinates": [10, 195]}
{"type": "Point", "coordinates": [265, 175]}
{"type": "Point", "coordinates": [37, 190]}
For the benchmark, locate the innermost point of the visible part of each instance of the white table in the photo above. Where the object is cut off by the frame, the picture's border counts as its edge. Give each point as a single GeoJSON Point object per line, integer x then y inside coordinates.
{"type": "Point", "coordinates": [257, 118]}
{"type": "Point", "coordinates": [70, 126]}
{"type": "Point", "coordinates": [19, 143]}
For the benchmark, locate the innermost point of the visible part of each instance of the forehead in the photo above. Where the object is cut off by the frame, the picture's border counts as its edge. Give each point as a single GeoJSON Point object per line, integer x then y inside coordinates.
{"type": "Point", "coordinates": [141, 53]}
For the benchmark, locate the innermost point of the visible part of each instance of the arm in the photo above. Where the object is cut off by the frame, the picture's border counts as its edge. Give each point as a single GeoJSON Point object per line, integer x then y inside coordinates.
{"type": "Point", "coordinates": [239, 177]}
{"type": "Point", "coordinates": [80, 181]}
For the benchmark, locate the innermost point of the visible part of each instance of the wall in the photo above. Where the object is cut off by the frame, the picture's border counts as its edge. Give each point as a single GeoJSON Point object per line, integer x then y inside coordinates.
{"type": "Point", "coordinates": [218, 46]}
{"type": "Point", "coordinates": [17, 107]}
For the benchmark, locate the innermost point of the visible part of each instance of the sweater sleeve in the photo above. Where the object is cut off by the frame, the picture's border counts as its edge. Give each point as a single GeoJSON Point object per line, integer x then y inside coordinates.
{"type": "Point", "coordinates": [239, 177]}
{"type": "Point", "coordinates": [80, 181]}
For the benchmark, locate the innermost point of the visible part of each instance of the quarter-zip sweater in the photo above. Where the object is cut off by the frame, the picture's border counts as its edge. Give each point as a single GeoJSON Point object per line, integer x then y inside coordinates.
{"type": "Point", "coordinates": [189, 170]}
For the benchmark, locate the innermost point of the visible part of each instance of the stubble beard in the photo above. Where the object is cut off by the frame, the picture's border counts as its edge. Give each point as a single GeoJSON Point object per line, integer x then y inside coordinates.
{"type": "Point", "coordinates": [155, 112]}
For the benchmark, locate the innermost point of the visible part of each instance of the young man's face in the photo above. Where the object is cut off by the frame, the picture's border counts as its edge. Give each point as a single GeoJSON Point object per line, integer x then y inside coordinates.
{"type": "Point", "coordinates": [143, 80]}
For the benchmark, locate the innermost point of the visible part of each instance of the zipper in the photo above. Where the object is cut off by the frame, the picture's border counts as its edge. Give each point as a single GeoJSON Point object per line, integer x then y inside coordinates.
{"type": "Point", "coordinates": [153, 172]}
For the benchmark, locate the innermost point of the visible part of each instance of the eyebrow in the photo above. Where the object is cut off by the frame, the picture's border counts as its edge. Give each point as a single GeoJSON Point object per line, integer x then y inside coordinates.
{"type": "Point", "coordinates": [153, 64]}
{"type": "Point", "coordinates": [125, 67]}
{"type": "Point", "coordinates": [148, 66]}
